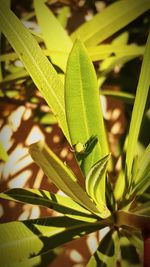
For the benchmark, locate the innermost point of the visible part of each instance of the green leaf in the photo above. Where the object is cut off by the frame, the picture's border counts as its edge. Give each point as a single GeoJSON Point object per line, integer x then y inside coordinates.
{"type": "Point", "coordinates": [143, 209]}
{"type": "Point", "coordinates": [38, 261]}
{"type": "Point", "coordinates": [125, 97]}
{"type": "Point", "coordinates": [63, 15]}
{"type": "Point", "coordinates": [36, 63]}
{"type": "Point", "coordinates": [107, 252]}
{"type": "Point", "coordinates": [55, 37]}
{"type": "Point", "coordinates": [95, 183]}
{"type": "Point", "coordinates": [138, 110]}
{"type": "Point", "coordinates": [129, 255]}
{"type": "Point", "coordinates": [141, 179]}
{"type": "Point", "coordinates": [3, 153]}
{"type": "Point", "coordinates": [18, 75]}
{"type": "Point", "coordinates": [135, 239]}
{"type": "Point", "coordinates": [109, 63]}
{"type": "Point", "coordinates": [83, 110]}
{"type": "Point", "coordinates": [60, 175]}
{"type": "Point", "coordinates": [62, 204]}
{"type": "Point", "coordinates": [27, 239]}
{"type": "Point", "coordinates": [110, 20]}
{"type": "Point", "coordinates": [102, 51]}
{"type": "Point", "coordinates": [48, 119]}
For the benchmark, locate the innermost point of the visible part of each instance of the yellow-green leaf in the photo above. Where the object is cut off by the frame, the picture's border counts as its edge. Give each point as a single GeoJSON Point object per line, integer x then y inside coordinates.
{"type": "Point", "coordinates": [36, 63]}
{"type": "Point", "coordinates": [110, 20]}
{"type": "Point", "coordinates": [60, 175]}
{"type": "Point", "coordinates": [55, 36]}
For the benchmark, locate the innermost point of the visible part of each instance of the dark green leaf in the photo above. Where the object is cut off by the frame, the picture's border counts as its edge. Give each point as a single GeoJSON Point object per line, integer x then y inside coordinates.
{"type": "Point", "coordinates": [27, 239]}
{"type": "Point", "coordinates": [107, 252]}
{"type": "Point", "coordinates": [62, 204]}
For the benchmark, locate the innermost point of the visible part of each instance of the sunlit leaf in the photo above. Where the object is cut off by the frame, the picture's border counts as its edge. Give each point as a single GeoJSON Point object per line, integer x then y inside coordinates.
{"type": "Point", "coordinates": [138, 110]}
{"type": "Point", "coordinates": [62, 204]}
{"type": "Point", "coordinates": [110, 20]}
{"type": "Point", "coordinates": [55, 37]}
{"type": "Point", "coordinates": [125, 97]}
{"type": "Point", "coordinates": [95, 183]}
{"type": "Point", "coordinates": [84, 117]}
{"type": "Point", "coordinates": [60, 175]}
{"type": "Point", "coordinates": [109, 63]}
{"type": "Point", "coordinates": [102, 51]}
{"type": "Point", "coordinates": [63, 15]}
{"type": "Point", "coordinates": [141, 178]}
{"type": "Point", "coordinates": [27, 239]}
{"type": "Point", "coordinates": [3, 153]}
{"type": "Point", "coordinates": [36, 63]}
{"type": "Point", "coordinates": [107, 252]}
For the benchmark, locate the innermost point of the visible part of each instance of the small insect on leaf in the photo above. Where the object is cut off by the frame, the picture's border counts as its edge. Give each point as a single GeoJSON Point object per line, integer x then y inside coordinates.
{"type": "Point", "coordinates": [80, 148]}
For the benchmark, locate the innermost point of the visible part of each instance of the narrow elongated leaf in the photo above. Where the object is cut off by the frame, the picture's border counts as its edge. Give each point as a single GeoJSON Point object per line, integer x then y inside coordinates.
{"type": "Point", "coordinates": [110, 20]}
{"type": "Point", "coordinates": [3, 153]}
{"type": "Point", "coordinates": [27, 239]}
{"type": "Point", "coordinates": [38, 261]}
{"type": "Point", "coordinates": [125, 97]}
{"type": "Point", "coordinates": [102, 51]}
{"type": "Point", "coordinates": [143, 209]}
{"type": "Point", "coordinates": [95, 183]}
{"type": "Point", "coordinates": [20, 74]}
{"type": "Point", "coordinates": [109, 63]}
{"type": "Point", "coordinates": [141, 178]}
{"type": "Point", "coordinates": [55, 37]}
{"type": "Point", "coordinates": [63, 15]}
{"type": "Point", "coordinates": [107, 252]}
{"type": "Point", "coordinates": [136, 240]}
{"type": "Point", "coordinates": [129, 255]}
{"type": "Point", "coordinates": [138, 109]}
{"type": "Point", "coordinates": [83, 111]}
{"type": "Point", "coordinates": [96, 53]}
{"type": "Point", "coordinates": [60, 175]}
{"type": "Point", "coordinates": [62, 204]}
{"type": "Point", "coordinates": [36, 63]}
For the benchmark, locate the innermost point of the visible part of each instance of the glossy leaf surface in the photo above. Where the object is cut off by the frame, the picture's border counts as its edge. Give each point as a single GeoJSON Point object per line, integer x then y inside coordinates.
{"type": "Point", "coordinates": [82, 103]}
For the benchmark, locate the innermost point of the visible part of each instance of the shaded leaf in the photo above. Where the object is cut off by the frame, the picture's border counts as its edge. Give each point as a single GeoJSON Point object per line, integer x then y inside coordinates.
{"type": "Point", "coordinates": [95, 183]}
{"type": "Point", "coordinates": [133, 220]}
{"type": "Point", "coordinates": [107, 252]}
{"type": "Point", "coordinates": [27, 239]}
{"type": "Point", "coordinates": [129, 255]}
{"type": "Point", "coordinates": [62, 204]}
